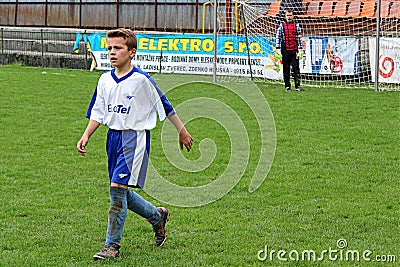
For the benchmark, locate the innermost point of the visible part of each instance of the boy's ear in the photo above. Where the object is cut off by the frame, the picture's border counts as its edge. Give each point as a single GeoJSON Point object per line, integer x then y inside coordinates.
{"type": "Point", "coordinates": [133, 52]}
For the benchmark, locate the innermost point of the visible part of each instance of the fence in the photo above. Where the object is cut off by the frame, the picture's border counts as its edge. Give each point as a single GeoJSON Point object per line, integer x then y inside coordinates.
{"type": "Point", "coordinates": [42, 48]}
{"type": "Point", "coordinates": [155, 15]}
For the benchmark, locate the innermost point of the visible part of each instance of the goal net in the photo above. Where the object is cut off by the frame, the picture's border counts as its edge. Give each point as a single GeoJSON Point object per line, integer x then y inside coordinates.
{"type": "Point", "coordinates": [338, 43]}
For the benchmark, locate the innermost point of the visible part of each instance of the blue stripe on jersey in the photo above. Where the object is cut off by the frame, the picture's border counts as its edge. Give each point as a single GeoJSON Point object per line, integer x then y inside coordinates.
{"type": "Point", "coordinates": [89, 110]}
{"type": "Point", "coordinates": [169, 110]}
{"type": "Point", "coordinates": [92, 101]}
{"type": "Point", "coordinates": [118, 80]}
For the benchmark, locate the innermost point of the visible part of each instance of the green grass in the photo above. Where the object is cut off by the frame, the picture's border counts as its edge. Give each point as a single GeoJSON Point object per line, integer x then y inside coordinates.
{"type": "Point", "coordinates": [335, 176]}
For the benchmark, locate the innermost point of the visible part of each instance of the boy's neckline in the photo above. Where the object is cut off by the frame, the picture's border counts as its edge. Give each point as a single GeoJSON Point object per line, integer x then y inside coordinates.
{"type": "Point", "coordinates": [123, 77]}
{"type": "Point", "coordinates": [121, 74]}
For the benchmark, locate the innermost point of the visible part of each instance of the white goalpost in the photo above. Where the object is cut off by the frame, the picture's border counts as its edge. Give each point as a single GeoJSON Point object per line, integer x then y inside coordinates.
{"type": "Point", "coordinates": [339, 41]}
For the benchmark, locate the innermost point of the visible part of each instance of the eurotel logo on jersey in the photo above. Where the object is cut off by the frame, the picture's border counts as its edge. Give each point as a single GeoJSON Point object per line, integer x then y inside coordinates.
{"type": "Point", "coordinates": [119, 109]}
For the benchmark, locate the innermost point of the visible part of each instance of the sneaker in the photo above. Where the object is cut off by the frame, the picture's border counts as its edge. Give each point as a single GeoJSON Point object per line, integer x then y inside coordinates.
{"type": "Point", "coordinates": [287, 89]}
{"type": "Point", "coordinates": [159, 228]}
{"type": "Point", "coordinates": [109, 251]}
{"type": "Point", "coordinates": [299, 89]}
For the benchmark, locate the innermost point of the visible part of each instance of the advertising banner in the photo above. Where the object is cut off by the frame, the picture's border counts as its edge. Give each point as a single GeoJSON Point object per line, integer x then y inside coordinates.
{"type": "Point", "coordinates": [325, 55]}
{"type": "Point", "coordinates": [389, 59]}
{"type": "Point", "coordinates": [194, 54]}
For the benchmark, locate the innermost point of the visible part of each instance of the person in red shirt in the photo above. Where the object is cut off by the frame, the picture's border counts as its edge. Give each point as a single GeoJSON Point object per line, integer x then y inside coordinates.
{"type": "Point", "coordinates": [288, 40]}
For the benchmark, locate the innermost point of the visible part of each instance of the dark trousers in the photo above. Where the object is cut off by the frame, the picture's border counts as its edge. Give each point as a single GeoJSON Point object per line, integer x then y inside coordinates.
{"type": "Point", "coordinates": [289, 58]}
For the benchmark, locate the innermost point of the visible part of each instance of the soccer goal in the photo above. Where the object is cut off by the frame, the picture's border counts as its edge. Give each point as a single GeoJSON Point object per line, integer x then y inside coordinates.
{"type": "Point", "coordinates": [339, 40]}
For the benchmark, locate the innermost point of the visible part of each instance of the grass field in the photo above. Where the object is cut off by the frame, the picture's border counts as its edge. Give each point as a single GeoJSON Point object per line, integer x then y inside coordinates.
{"type": "Point", "coordinates": [334, 180]}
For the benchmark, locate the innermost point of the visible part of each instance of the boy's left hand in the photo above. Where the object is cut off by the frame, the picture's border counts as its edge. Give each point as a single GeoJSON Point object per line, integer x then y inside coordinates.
{"type": "Point", "coordinates": [185, 139]}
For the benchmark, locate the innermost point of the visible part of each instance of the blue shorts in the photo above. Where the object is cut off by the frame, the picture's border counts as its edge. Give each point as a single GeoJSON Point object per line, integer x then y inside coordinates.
{"type": "Point", "coordinates": [128, 156]}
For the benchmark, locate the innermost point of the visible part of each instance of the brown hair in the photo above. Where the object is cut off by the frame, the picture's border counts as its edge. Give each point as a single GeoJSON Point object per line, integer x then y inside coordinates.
{"type": "Point", "coordinates": [127, 34]}
{"type": "Point", "coordinates": [289, 11]}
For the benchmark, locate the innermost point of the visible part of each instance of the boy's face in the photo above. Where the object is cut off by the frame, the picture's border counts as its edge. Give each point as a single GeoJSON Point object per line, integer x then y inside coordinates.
{"type": "Point", "coordinates": [118, 52]}
{"type": "Point", "coordinates": [289, 16]}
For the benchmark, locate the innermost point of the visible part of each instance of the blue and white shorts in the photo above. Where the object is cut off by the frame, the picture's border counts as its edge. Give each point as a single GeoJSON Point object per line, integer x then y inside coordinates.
{"type": "Point", "coordinates": [128, 156]}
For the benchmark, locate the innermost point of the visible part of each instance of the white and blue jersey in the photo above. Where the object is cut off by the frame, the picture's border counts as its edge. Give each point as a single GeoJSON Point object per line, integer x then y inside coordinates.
{"type": "Point", "coordinates": [128, 103]}
{"type": "Point", "coordinates": [128, 106]}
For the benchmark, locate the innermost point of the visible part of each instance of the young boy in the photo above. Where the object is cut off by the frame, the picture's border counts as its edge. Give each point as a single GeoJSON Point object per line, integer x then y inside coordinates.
{"type": "Point", "coordinates": [127, 101]}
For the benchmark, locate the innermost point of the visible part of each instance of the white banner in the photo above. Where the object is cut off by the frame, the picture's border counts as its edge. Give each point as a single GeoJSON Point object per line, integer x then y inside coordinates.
{"type": "Point", "coordinates": [325, 55]}
{"type": "Point", "coordinates": [389, 59]}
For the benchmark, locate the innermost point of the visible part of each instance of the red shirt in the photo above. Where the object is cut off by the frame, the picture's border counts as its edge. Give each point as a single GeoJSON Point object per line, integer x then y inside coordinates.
{"type": "Point", "coordinates": [290, 35]}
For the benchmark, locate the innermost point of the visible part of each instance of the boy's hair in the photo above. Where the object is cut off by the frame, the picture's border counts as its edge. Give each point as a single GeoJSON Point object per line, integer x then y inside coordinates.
{"type": "Point", "coordinates": [127, 34]}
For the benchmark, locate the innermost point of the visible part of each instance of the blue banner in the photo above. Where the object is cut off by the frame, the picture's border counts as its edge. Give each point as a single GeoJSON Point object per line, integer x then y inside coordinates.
{"type": "Point", "coordinates": [228, 45]}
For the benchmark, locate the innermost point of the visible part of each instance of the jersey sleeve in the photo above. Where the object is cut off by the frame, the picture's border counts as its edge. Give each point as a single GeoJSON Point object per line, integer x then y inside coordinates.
{"type": "Point", "coordinates": [89, 110]}
{"type": "Point", "coordinates": [96, 107]}
{"type": "Point", "coordinates": [162, 105]}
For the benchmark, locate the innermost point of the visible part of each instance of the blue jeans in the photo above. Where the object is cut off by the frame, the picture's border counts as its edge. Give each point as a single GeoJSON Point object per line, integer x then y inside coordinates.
{"type": "Point", "coordinates": [122, 199]}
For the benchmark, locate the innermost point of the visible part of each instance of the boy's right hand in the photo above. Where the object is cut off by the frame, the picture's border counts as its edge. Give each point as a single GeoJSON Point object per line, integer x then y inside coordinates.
{"type": "Point", "coordinates": [81, 145]}
{"type": "Point", "coordinates": [90, 129]}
